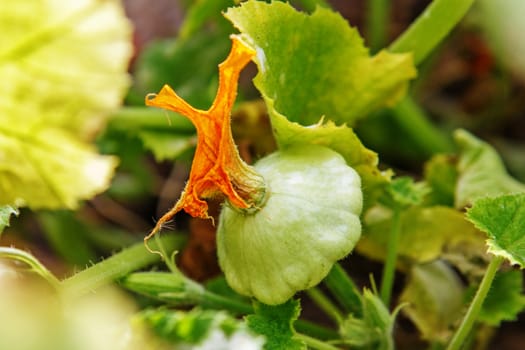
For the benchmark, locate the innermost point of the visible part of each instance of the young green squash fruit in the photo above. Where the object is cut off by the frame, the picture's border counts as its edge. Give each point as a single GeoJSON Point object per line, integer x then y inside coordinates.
{"type": "Point", "coordinates": [308, 220]}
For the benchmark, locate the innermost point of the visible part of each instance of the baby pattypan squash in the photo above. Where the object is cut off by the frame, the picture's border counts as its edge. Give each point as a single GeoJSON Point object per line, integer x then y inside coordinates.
{"type": "Point", "coordinates": [309, 220]}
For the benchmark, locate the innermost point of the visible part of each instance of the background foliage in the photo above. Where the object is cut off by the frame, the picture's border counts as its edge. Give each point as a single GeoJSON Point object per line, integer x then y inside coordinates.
{"type": "Point", "coordinates": [423, 99]}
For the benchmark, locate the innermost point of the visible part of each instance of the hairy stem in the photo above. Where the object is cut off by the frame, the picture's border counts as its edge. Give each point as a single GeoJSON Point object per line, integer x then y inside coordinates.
{"type": "Point", "coordinates": [117, 266]}
{"type": "Point", "coordinates": [166, 256]}
{"type": "Point", "coordinates": [476, 304]}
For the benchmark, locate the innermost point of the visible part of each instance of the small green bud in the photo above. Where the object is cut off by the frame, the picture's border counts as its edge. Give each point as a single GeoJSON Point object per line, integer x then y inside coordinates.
{"type": "Point", "coordinates": [170, 287]}
{"type": "Point", "coordinates": [308, 220]}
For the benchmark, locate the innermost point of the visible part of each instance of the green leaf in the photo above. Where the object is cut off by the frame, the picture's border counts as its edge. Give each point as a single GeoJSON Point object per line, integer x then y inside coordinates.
{"type": "Point", "coordinates": [356, 332]}
{"type": "Point", "coordinates": [434, 295]}
{"type": "Point", "coordinates": [188, 66]}
{"type": "Point", "coordinates": [209, 329]}
{"type": "Point", "coordinates": [167, 135]}
{"type": "Point", "coordinates": [503, 219]}
{"type": "Point", "coordinates": [469, 256]}
{"type": "Point", "coordinates": [341, 139]}
{"type": "Point", "coordinates": [75, 248]}
{"type": "Point", "coordinates": [377, 315]}
{"type": "Point", "coordinates": [481, 171]}
{"type": "Point", "coordinates": [425, 233]}
{"type": "Point", "coordinates": [178, 326]}
{"type": "Point", "coordinates": [134, 180]}
{"type": "Point", "coordinates": [317, 64]}
{"type": "Point", "coordinates": [167, 145]}
{"type": "Point", "coordinates": [200, 12]}
{"type": "Point", "coordinates": [276, 324]}
{"type": "Point", "coordinates": [374, 329]}
{"type": "Point", "coordinates": [505, 299]}
{"type": "Point", "coordinates": [404, 192]}
{"type": "Point", "coordinates": [78, 240]}
{"type": "Point", "coordinates": [5, 214]}
{"type": "Point", "coordinates": [62, 69]}
{"type": "Point", "coordinates": [441, 176]}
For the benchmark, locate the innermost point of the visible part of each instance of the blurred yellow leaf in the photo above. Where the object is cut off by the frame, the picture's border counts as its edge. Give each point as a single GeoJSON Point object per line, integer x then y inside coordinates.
{"type": "Point", "coordinates": [63, 68]}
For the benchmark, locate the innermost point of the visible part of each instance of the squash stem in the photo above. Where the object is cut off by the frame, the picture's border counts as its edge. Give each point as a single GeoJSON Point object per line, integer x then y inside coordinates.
{"type": "Point", "coordinates": [28, 259]}
{"type": "Point", "coordinates": [313, 343]}
{"type": "Point", "coordinates": [344, 290]}
{"type": "Point", "coordinates": [117, 266]}
{"type": "Point", "coordinates": [378, 20]}
{"type": "Point", "coordinates": [476, 304]}
{"type": "Point", "coordinates": [325, 304]}
{"type": "Point", "coordinates": [390, 263]}
{"type": "Point", "coordinates": [431, 27]}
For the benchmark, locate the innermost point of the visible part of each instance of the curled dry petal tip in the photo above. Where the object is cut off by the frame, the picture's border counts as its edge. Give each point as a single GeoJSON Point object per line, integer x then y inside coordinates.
{"type": "Point", "coordinates": [217, 168]}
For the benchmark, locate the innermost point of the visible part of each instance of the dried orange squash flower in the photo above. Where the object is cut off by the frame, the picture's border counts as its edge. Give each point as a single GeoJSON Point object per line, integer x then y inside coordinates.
{"type": "Point", "coordinates": [217, 168]}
